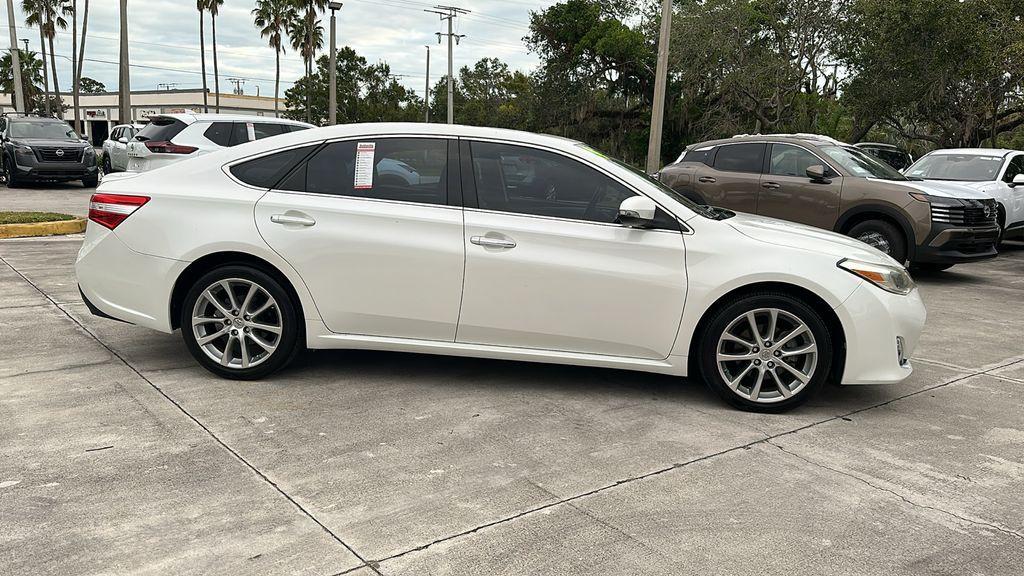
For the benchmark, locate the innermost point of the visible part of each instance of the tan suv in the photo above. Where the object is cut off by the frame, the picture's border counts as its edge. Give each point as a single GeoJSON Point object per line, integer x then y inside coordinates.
{"type": "Point", "coordinates": [822, 182]}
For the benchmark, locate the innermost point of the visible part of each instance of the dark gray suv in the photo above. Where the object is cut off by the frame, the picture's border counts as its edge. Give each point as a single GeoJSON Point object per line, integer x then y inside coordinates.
{"type": "Point", "coordinates": [44, 149]}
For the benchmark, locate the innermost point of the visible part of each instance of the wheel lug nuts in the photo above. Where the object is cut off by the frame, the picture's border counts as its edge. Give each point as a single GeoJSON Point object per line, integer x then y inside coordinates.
{"type": "Point", "coordinates": [771, 364]}
{"type": "Point", "coordinates": [234, 312]}
{"type": "Point", "coordinates": [227, 322]}
{"type": "Point", "coordinates": [757, 362]}
{"type": "Point", "coordinates": [247, 317]}
{"type": "Point", "coordinates": [756, 349]}
{"type": "Point", "coordinates": [768, 344]}
{"type": "Point", "coordinates": [234, 332]}
{"type": "Point", "coordinates": [778, 353]}
{"type": "Point", "coordinates": [246, 329]}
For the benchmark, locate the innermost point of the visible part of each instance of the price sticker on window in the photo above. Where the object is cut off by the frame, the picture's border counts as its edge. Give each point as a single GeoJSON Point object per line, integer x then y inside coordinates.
{"type": "Point", "coordinates": [364, 165]}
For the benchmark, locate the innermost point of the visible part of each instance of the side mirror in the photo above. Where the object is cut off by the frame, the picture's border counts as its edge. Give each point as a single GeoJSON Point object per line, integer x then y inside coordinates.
{"type": "Point", "coordinates": [817, 173]}
{"type": "Point", "coordinates": [1018, 180]}
{"type": "Point", "coordinates": [637, 211]}
{"type": "Point", "coordinates": [122, 140]}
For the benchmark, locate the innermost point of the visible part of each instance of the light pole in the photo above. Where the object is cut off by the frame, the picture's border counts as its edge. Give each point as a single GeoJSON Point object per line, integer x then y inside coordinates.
{"type": "Point", "coordinates": [449, 13]}
{"type": "Point", "coordinates": [426, 91]}
{"type": "Point", "coordinates": [332, 115]}
{"type": "Point", "coordinates": [660, 79]}
{"type": "Point", "coordinates": [18, 98]}
{"type": "Point", "coordinates": [125, 96]}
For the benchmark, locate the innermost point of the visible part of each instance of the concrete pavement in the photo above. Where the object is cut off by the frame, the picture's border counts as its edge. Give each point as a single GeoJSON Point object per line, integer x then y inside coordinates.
{"type": "Point", "coordinates": [120, 455]}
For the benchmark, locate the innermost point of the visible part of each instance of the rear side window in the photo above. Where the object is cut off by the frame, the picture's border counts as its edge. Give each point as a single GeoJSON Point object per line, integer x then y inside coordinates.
{"type": "Point", "coordinates": [404, 169]}
{"type": "Point", "coordinates": [266, 129]}
{"type": "Point", "coordinates": [239, 133]}
{"type": "Point", "coordinates": [295, 127]}
{"type": "Point", "coordinates": [161, 129]}
{"type": "Point", "coordinates": [740, 158]}
{"type": "Point", "coordinates": [219, 133]}
{"type": "Point", "coordinates": [700, 155]}
{"type": "Point", "coordinates": [267, 171]}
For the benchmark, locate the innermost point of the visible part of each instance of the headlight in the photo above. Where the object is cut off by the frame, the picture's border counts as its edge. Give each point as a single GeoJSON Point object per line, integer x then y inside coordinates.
{"type": "Point", "coordinates": [893, 279]}
{"type": "Point", "coordinates": [89, 151]}
{"type": "Point", "coordinates": [23, 149]}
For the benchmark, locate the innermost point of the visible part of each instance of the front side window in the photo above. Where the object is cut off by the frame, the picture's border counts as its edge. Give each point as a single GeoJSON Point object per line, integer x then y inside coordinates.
{"type": "Point", "coordinates": [116, 135]}
{"type": "Point", "coordinates": [788, 160]}
{"type": "Point", "coordinates": [957, 167]}
{"type": "Point", "coordinates": [530, 181]}
{"type": "Point", "coordinates": [1015, 167]}
{"type": "Point", "coordinates": [403, 169]}
{"type": "Point", "coordinates": [740, 158]}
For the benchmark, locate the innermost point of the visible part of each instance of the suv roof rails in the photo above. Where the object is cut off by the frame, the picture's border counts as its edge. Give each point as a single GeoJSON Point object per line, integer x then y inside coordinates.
{"type": "Point", "coordinates": [798, 135]}
{"type": "Point", "coordinates": [28, 114]}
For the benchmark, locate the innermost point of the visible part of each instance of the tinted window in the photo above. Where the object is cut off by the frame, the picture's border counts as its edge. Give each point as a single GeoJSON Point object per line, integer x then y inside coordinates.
{"type": "Point", "coordinates": [239, 133]}
{"type": "Point", "coordinates": [406, 169]}
{"type": "Point", "coordinates": [116, 133]}
{"type": "Point", "coordinates": [960, 167]}
{"type": "Point", "coordinates": [700, 155]}
{"type": "Point", "coordinates": [160, 129]}
{"type": "Point", "coordinates": [219, 133]}
{"type": "Point", "coordinates": [295, 127]}
{"type": "Point", "coordinates": [531, 181]}
{"type": "Point", "coordinates": [54, 129]}
{"type": "Point", "coordinates": [266, 130]}
{"type": "Point", "coordinates": [740, 158]}
{"type": "Point", "coordinates": [789, 160]}
{"type": "Point", "coordinates": [267, 171]}
{"type": "Point", "coordinates": [1016, 166]}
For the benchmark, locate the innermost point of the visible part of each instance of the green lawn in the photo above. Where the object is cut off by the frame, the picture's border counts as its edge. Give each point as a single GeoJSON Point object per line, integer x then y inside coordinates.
{"type": "Point", "coordinates": [29, 217]}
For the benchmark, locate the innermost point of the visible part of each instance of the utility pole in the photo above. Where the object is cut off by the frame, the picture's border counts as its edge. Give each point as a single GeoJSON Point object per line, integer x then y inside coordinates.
{"type": "Point", "coordinates": [125, 83]}
{"type": "Point", "coordinates": [18, 98]}
{"type": "Point", "coordinates": [238, 82]}
{"type": "Point", "coordinates": [332, 90]}
{"type": "Point", "coordinates": [660, 80]}
{"type": "Point", "coordinates": [426, 91]}
{"type": "Point", "coordinates": [449, 13]}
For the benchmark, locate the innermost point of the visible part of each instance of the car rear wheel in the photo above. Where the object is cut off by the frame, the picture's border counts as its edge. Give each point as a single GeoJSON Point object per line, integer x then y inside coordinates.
{"type": "Point", "coordinates": [882, 236]}
{"type": "Point", "coordinates": [766, 352]}
{"type": "Point", "coordinates": [240, 323]}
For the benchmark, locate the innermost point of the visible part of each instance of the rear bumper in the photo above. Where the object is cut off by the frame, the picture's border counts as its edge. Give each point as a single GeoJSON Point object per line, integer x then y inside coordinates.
{"type": "Point", "coordinates": [117, 282]}
{"type": "Point", "coordinates": [872, 321]}
{"type": "Point", "coordinates": [958, 245]}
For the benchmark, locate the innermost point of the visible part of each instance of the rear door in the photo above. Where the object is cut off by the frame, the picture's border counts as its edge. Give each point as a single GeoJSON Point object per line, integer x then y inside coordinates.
{"type": "Point", "coordinates": [548, 267]}
{"type": "Point", "coordinates": [787, 193]}
{"type": "Point", "coordinates": [382, 255]}
{"type": "Point", "coordinates": [734, 176]}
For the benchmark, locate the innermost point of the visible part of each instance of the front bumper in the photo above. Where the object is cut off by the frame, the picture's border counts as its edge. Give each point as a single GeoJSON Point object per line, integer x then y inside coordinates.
{"type": "Point", "coordinates": [872, 320]}
{"type": "Point", "coordinates": [953, 245]}
{"type": "Point", "coordinates": [54, 171]}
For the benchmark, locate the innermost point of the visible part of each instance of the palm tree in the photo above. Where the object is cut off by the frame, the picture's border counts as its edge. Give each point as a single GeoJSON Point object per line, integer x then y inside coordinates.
{"type": "Point", "coordinates": [32, 69]}
{"type": "Point", "coordinates": [307, 37]}
{"type": "Point", "coordinates": [214, 7]}
{"type": "Point", "coordinates": [49, 16]}
{"type": "Point", "coordinates": [201, 6]}
{"type": "Point", "coordinates": [272, 17]}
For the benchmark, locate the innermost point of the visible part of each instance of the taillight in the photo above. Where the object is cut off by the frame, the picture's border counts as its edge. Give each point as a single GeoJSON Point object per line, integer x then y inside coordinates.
{"type": "Point", "coordinates": [168, 147]}
{"type": "Point", "coordinates": [111, 209]}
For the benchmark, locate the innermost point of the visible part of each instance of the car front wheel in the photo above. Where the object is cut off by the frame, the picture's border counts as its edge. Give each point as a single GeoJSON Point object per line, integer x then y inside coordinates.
{"type": "Point", "coordinates": [766, 352]}
{"type": "Point", "coordinates": [882, 236]}
{"type": "Point", "coordinates": [240, 323]}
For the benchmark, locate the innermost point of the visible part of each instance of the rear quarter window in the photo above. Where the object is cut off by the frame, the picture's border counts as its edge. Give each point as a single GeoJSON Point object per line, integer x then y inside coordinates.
{"type": "Point", "coordinates": [267, 171]}
{"type": "Point", "coordinates": [161, 129]}
{"type": "Point", "coordinates": [219, 133]}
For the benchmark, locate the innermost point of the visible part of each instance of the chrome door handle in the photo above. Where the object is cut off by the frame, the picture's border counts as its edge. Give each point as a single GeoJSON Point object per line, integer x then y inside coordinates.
{"type": "Point", "coordinates": [706, 179]}
{"type": "Point", "coordinates": [492, 242]}
{"type": "Point", "coordinates": [289, 219]}
{"type": "Point", "coordinates": [772, 185]}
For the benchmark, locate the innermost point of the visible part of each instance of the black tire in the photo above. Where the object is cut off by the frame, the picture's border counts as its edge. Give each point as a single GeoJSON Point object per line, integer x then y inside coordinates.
{"type": "Point", "coordinates": [770, 398]}
{"type": "Point", "coordinates": [882, 235]}
{"type": "Point", "coordinates": [929, 267]}
{"type": "Point", "coordinates": [91, 181]}
{"type": "Point", "coordinates": [107, 168]}
{"type": "Point", "coordinates": [287, 343]}
{"type": "Point", "coordinates": [10, 178]}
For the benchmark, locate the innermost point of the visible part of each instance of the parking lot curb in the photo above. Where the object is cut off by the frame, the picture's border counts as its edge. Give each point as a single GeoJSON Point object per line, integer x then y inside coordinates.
{"type": "Point", "coordinates": [42, 228]}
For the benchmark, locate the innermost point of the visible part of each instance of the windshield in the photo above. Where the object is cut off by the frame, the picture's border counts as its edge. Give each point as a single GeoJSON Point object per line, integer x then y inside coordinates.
{"type": "Point", "coordinates": [860, 164]}
{"type": "Point", "coordinates": [50, 130]}
{"type": "Point", "coordinates": [706, 211]}
{"type": "Point", "coordinates": [957, 167]}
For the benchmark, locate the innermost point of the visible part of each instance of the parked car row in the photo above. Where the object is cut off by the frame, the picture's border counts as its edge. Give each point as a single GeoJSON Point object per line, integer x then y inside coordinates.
{"type": "Point", "coordinates": [951, 206]}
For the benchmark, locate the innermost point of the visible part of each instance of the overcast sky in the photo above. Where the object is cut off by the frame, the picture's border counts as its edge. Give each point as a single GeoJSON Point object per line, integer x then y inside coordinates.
{"type": "Point", "coordinates": [164, 41]}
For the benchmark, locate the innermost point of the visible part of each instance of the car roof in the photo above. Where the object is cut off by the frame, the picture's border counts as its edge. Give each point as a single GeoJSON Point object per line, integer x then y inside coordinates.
{"type": "Point", "coordinates": [191, 117]}
{"type": "Point", "coordinates": [974, 151]}
{"type": "Point", "coordinates": [798, 138]}
{"type": "Point", "coordinates": [877, 145]}
{"type": "Point", "coordinates": [423, 129]}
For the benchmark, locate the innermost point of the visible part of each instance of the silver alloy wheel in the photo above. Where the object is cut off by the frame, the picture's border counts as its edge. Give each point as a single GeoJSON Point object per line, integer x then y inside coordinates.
{"type": "Point", "coordinates": [237, 323]}
{"type": "Point", "coordinates": [877, 241]}
{"type": "Point", "coordinates": [767, 355]}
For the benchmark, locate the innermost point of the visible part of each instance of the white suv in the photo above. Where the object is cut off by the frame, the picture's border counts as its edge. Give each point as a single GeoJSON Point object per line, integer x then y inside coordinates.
{"type": "Point", "coordinates": [115, 147]}
{"type": "Point", "coordinates": [171, 138]}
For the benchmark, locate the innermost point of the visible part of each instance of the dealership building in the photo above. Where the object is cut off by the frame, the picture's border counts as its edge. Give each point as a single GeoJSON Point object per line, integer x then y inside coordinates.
{"type": "Point", "coordinates": [101, 112]}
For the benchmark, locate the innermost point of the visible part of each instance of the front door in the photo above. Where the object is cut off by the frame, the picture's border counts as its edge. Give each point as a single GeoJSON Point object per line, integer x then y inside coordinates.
{"type": "Point", "coordinates": [368, 226]}
{"type": "Point", "coordinates": [787, 193]}
{"type": "Point", "coordinates": [548, 267]}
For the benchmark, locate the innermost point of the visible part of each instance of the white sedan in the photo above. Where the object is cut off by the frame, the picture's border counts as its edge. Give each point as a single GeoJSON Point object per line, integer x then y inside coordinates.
{"type": "Point", "coordinates": [999, 173]}
{"type": "Point", "coordinates": [171, 138]}
{"type": "Point", "coordinates": [257, 251]}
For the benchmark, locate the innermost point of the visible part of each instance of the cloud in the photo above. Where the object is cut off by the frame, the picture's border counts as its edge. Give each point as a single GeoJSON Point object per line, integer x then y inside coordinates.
{"type": "Point", "coordinates": [164, 41]}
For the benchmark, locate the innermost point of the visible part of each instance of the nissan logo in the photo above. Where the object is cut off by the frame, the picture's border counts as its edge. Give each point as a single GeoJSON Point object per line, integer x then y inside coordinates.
{"type": "Point", "coordinates": [60, 152]}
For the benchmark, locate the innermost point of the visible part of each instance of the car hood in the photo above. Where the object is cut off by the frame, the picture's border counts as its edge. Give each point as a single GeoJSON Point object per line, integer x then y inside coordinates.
{"type": "Point", "coordinates": [783, 233]}
{"type": "Point", "coordinates": [942, 188]}
{"type": "Point", "coordinates": [49, 142]}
